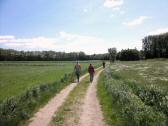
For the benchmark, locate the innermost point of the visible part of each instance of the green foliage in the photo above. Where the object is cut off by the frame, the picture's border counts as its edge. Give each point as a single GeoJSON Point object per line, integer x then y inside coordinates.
{"type": "Point", "coordinates": [20, 107]}
{"type": "Point", "coordinates": [128, 55]}
{"type": "Point", "coordinates": [147, 79]}
{"type": "Point", "coordinates": [18, 76]}
{"type": "Point", "coordinates": [13, 55]}
{"type": "Point", "coordinates": [112, 54]}
{"type": "Point", "coordinates": [111, 111]}
{"type": "Point", "coordinates": [15, 109]}
{"type": "Point", "coordinates": [133, 109]}
{"type": "Point", "coordinates": [156, 46]}
{"type": "Point", "coordinates": [151, 95]}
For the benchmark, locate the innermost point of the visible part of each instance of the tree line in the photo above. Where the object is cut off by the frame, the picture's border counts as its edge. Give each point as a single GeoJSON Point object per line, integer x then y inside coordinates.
{"type": "Point", "coordinates": [14, 55]}
{"type": "Point", "coordinates": [125, 54]}
{"type": "Point", "coordinates": [155, 46]}
{"type": "Point", "coordinates": [129, 55]}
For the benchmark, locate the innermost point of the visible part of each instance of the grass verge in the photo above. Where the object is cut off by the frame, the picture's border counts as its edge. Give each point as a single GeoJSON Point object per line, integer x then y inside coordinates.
{"type": "Point", "coordinates": [110, 110]}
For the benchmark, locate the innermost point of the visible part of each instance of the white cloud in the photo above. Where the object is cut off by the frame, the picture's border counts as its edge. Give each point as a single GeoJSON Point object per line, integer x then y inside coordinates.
{"type": "Point", "coordinates": [63, 42]}
{"type": "Point", "coordinates": [114, 4]}
{"type": "Point", "coordinates": [67, 42]}
{"type": "Point", "coordinates": [158, 31]}
{"type": "Point", "coordinates": [88, 44]}
{"type": "Point", "coordinates": [28, 43]}
{"type": "Point", "coordinates": [136, 21]}
{"type": "Point", "coordinates": [7, 37]}
{"type": "Point", "coordinates": [66, 36]}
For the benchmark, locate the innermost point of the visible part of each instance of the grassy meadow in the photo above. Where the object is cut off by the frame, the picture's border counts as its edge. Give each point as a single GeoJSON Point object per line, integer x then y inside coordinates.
{"type": "Point", "coordinates": [26, 86]}
{"type": "Point", "coordinates": [18, 76]}
{"type": "Point", "coordinates": [147, 73]}
{"type": "Point", "coordinates": [136, 93]}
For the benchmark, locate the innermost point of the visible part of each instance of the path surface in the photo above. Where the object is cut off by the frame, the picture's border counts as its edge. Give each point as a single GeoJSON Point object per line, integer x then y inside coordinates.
{"type": "Point", "coordinates": [92, 114]}
{"type": "Point", "coordinates": [45, 114]}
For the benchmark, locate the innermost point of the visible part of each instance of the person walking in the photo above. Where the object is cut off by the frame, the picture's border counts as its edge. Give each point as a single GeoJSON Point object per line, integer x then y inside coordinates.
{"type": "Point", "coordinates": [104, 64]}
{"type": "Point", "coordinates": [77, 69]}
{"type": "Point", "coordinates": [91, 72]}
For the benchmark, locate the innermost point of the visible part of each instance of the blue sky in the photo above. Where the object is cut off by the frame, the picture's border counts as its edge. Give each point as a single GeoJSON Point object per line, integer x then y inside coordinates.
{"type": "Point", "coordinates": [91, 26]}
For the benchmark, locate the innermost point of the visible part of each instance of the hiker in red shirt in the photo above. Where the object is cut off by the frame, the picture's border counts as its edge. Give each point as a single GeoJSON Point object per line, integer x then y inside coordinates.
{"type": "Point", "coordinates": [91, 72]}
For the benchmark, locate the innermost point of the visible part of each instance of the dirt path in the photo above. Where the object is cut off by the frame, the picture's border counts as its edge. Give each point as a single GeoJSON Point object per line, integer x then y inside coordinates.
{"type": "Point", "coordinates": [92, 114]}
{"type": "Point", "coordinates": [45, 114]}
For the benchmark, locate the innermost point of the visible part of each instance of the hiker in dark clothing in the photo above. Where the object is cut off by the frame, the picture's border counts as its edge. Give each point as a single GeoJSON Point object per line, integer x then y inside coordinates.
{"type": "Point", "coordinates": [77, 69]}
{"type": "Point", "coordinates": [104, 64]}
{"type": "Point", "coordinates": [91, 72]}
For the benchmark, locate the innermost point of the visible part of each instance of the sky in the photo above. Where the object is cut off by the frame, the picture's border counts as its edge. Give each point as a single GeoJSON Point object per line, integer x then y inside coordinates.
{"type": "Point", "coordinates": [91, 26]}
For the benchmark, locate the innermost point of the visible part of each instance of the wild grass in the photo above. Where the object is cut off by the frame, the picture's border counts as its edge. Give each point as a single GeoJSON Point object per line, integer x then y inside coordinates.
{"type": "Point", "coordinates": [139, 90]}
{"type": "Point", "coordinates": [16, 77]}
{"type": "Point", "coordinates": [111, 111]}
{"type": "Point", "coordinates": [149, 72]}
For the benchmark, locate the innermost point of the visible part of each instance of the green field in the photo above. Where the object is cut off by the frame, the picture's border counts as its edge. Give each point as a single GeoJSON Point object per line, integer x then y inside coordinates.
{"type": "Point", "coordinates": [147, 73]}
{"type": "Point", "coordinates": [131, 93]}
{"type": "Point", "coordinates": [18, 76]}
{"type": "Point", "coordinates": [136, 93]}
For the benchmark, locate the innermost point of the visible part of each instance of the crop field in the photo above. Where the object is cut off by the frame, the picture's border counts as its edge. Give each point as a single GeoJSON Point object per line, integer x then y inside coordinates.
{"type": "Point", "coordinates": [136, 92]}
{"type": "Point", "coordinates": [17, 76]}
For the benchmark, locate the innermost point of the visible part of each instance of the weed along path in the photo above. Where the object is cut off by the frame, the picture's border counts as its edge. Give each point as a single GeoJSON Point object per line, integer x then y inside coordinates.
{"type": "Point", "coordinates": [92, 114]}
{"type": "Point", "coordinates": [44, 116]}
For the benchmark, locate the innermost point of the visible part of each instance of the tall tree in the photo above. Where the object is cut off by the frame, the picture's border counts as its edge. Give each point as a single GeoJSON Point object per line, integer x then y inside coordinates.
{"type": "Point", "coordinates": [156, 46]}
{"type": "Point", "coordinates": [112, 54]}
